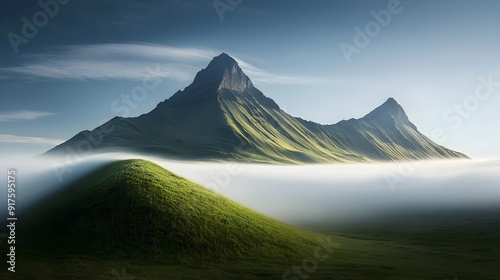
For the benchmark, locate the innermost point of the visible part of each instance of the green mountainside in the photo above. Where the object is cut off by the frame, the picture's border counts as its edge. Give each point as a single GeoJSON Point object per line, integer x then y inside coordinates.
{"type": "Point", "coordinates": [221, 115]}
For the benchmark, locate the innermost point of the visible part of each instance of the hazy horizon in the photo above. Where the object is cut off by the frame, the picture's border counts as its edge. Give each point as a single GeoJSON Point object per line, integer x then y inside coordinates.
{"type": "Point", "coordinates": [301, 194]}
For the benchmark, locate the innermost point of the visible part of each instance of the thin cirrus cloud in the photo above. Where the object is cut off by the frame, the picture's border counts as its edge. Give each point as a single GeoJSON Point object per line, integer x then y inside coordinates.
{"type": "Point", "coordinates": [9, 138]}
{"type": "Point", "coordinates": [261, 76]}
{"type": "Point", "coordinates": [109, 61]}
{"type": "Point", "coordinates": [129, 61]}
{"type": "Point", "coordinates": [24, 115]}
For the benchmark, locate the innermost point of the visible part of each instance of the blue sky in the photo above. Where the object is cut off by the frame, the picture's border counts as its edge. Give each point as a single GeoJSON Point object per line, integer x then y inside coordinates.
{"type": "Point", "coordinates": [439, 59]}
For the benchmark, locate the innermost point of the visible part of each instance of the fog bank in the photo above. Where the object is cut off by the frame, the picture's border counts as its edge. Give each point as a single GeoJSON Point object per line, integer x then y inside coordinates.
{"type": "Point", "coordinates": [297, 194]}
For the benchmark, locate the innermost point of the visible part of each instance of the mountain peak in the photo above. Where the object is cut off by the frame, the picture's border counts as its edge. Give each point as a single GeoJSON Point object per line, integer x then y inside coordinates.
{"type": "Point", "coordinates": [390, 111]}
{"type": "Point", "coordinates": [226, 71]}
{"type": "Point", "coordinates": [223, 72]}
{"type": "Point", "coordinates": [391, 104]}
{"type": "Point", "coordinates": [222, 77]}
{"type": "Point", "coordinates": [221, 63]}
{"type": "Point", "coordinates": [391, 100]}
{"type": "Point", "coordinates": [222, 60]}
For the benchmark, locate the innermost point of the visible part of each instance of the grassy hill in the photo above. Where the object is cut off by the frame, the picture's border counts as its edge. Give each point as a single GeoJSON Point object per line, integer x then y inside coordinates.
{"type": "Point", "coordinates": [137, 207]}
{"type": "Point", "coordinates": [135, 220]}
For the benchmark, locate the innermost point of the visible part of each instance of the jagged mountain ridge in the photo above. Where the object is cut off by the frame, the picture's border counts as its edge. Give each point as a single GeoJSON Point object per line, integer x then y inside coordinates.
{"type": "Point", "coordinates": [221, 115]}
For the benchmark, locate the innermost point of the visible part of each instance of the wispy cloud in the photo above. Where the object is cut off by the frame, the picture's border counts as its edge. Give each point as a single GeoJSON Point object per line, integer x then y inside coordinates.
{"type": "Point", "coordinates": [111, 61]}
{"type": "Point", "coordinates": [259, 75]}
{"type": "Point", "coordinates": [129, 61]}
{"type": "Point", "coordinates": [8, 138]}
{"type": "Point", "coordinates": [24, 115]}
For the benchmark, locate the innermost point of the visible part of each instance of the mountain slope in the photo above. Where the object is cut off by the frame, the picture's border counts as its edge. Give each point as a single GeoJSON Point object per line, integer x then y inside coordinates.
{"type": "Point", "coordinates": [221, 115]}
{"type": "Point", "coordinates": [386, 133]}
{"type": "Point", "coordinates": [135, 206]}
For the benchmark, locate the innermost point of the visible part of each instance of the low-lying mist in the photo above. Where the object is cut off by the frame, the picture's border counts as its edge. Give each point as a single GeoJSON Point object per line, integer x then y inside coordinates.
{"type": "Point", "coordinates": [299, 194]}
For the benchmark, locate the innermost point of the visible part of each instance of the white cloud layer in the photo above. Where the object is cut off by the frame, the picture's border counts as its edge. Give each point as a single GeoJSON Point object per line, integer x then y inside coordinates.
{"type": "Point", "coordinates": [259, 75]}
{"type": "Point", "coordinates": [8, 138]}
{"type": "Point", "coordinates": [303, 194]}
{"type": "Point", "coordinates": [130, 61]}
{"type": "Point", "coordinates": [23, 115]}
{"type": "Point", "coordinates": [110, 61]}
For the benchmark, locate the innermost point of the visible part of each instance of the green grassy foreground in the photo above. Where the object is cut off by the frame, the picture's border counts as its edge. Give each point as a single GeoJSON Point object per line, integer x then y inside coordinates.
{"type": "Point", "coordinates": [136, 207]}
{"type": "Point", "coordinates": [134, 220]}
{"type": "Point", "coordinates": [447, 252]}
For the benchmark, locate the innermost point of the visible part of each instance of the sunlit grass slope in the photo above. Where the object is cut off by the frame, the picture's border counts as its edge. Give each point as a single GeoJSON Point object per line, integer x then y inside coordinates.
{"type": "Point", "coordinates": [137, 207]}
{"type": "Point", "coordinates": [136, 216]}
